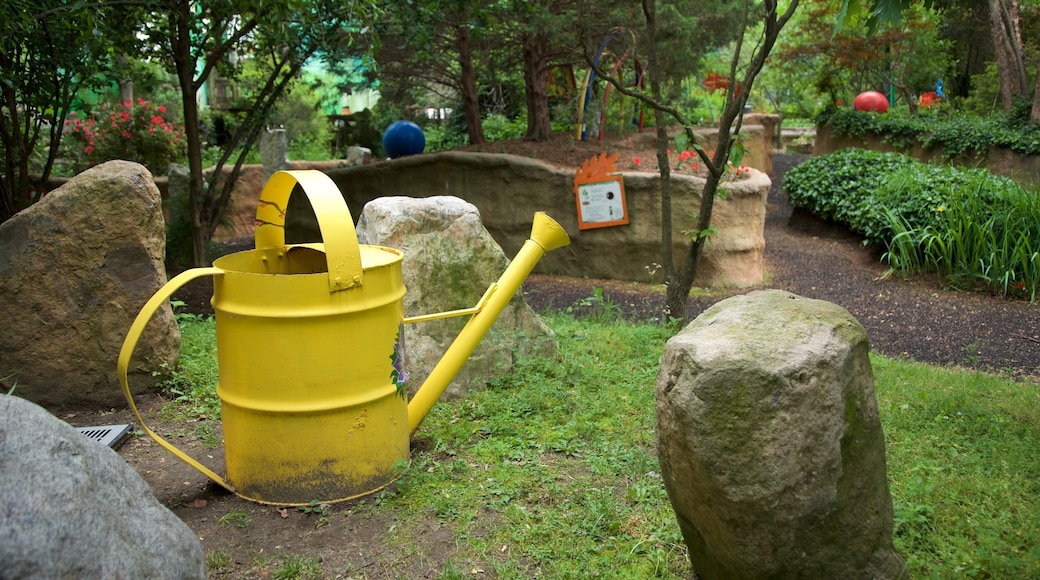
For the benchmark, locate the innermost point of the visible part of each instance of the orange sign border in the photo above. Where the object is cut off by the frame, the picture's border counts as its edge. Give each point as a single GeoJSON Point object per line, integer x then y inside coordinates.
{"type": "Point", "coordinates": [587, 225]}
{"type": "Point", "coordinates": [599, 169]}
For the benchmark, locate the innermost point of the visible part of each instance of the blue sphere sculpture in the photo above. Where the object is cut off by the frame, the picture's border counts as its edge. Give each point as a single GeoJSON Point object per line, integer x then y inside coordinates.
{"type": "Point", "coordinates": [403, 138]}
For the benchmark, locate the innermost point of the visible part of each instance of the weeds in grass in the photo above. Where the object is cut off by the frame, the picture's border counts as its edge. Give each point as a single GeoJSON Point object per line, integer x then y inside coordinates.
{"type": "Point", "coordinates": [193, 384]}
{"type": "Point", "coordinates": [294, 566]}
{"type": "Point", "coordinates": [208, 435]}
{"type": "Point", "coordinates": [236, 518]}
{"type": "Point", "coordinates": [14, 384]}
{"type": "Point", "coordinates": [962, 469]}
{"type": "Point", "coordinates": [597, 308]}
{"type": "Point", "coordinates": [218, 559]}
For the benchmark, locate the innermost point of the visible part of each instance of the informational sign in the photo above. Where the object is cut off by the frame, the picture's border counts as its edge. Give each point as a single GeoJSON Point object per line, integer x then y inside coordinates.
{"type": "Point", "coordinates": [600, 196]}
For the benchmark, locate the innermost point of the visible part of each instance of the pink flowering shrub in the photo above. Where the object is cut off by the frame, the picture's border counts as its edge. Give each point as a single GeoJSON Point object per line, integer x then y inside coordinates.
{"type": "Point", "coordinates": [143, 133]}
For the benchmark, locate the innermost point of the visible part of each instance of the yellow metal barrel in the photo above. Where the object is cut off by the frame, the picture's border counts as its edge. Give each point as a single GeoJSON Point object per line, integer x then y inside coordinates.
{"type": "Point", "coordinates": [307, 337]}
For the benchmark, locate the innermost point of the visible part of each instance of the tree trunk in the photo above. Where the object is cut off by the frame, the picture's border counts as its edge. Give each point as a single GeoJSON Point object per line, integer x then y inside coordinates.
{"type": "Point", "coordinates": [536, 86]}
{"type": "Point", "coordinates": [184, 65]}
{"type": "Point", "coordinates": [1007, 46]}
{"type": "Point", "coordinates": [1034, 114]}
{"type": "Point", "coordinates": [470, 101]}
{"type": "Point", "coordinates": [126, 84]}
{"type": "Point", "coordinates": [676, 297]}
{"type": "Point", "coordinates": [16, 162]}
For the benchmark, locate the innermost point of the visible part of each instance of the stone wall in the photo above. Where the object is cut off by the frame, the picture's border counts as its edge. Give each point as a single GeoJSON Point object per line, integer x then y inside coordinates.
{"type": "Point", "coordinates": [508, 190]}
{"type": "Point", "coordinates": [1022, 168]}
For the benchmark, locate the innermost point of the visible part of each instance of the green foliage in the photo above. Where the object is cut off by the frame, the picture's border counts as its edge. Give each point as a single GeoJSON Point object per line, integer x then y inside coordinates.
{"type": "Point", "coordinates": [984, 96]}
{"type": "Point", "coordinates": [598, 307]}
{"type": "Point", "coordinates": [141, 132]}
{"type": "Point", "coordinates": [218, 559]}
{"type": "Point", "coordinates": [907, 55]}
{"type": "Point", "coordinates": [299, 110]}
{"type": "Point", "coordinates": [14, 383]}
{"type": "Point", "coordinates": [49, 50]}
{"type": "Point", "coordinates": [919, 194]}
{"type": "Point", "coordinates": [837, 187]}
{"type": "Point", "coordinates": [193, 383]}
{"type": "Point", "coordinates": [236, 518]}
{"type": "Point", "coordinates": [178, 228]}
{"type": "Point", "coordinates": [501, 128]}
{"type": "Point", "coordinates": [976, 229]}
{"type": "Point", "coordinates": [985, 235]}
{"type": "Point", "coordinates": [452, 133]}
{"type": "Point", "coordinates": [442, 137]}
{"type": "Point", "coordinates": [955, 133]}
{"type": "Point", "coordinates": [314, 508]}
{"type": "Point", "coordinates": [296, 567]}
{"type": "Point", "coordinates": [560, 454]}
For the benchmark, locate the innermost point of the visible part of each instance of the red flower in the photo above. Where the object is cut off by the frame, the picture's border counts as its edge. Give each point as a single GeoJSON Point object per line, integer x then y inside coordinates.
{"type": "Point", "coordinates": [636, 160]}
{"type": "Point", "coordinates": [929, 99]}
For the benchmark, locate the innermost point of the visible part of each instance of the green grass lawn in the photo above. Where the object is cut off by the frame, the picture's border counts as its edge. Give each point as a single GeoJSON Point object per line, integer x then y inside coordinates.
{"type": "Point", "coordinates": [552, 470]}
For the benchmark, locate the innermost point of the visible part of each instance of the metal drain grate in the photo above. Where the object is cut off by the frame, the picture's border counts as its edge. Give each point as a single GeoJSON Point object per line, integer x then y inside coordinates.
{"type": "Point", "coordinates": [111, 435]}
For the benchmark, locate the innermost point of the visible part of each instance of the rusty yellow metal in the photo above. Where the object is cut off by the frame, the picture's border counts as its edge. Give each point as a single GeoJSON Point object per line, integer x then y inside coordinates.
{"type": "Point", "coordinates": [309, 345]}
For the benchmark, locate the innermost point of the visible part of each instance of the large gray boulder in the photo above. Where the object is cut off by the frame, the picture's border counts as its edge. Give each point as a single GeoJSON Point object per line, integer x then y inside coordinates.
{"type": "Point", "coordinates": [72, 508]}
{"type": "Point", "coordinates": [771, 445]}
{"type": "Point", "coordinates": [449, 262]}
{"type": "Point", "coordinates": [75, 268]}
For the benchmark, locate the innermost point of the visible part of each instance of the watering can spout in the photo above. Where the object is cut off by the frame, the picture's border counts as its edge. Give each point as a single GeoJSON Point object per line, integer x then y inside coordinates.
{"type": "Point", "coordinates": [546, 235]}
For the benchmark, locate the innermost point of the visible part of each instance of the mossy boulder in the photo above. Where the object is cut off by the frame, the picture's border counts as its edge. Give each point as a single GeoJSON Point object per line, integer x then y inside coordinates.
{"type": "Point", "coordinates": [449, 262]}
{"type": "Point", "coordinates": [771, 445]}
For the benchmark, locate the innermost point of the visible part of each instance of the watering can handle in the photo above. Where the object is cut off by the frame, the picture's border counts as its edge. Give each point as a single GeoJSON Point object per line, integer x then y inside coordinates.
{"type": "Point", "coordinates": [130, 343]}
{"type": "Point", "coordinates": [334, 220]}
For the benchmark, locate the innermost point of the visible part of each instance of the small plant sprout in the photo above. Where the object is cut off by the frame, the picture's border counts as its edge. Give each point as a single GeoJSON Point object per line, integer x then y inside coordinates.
{"type": "Point", "coordinates": [314, 507]}
{"type": "Point", "coordinates": [236, 518]}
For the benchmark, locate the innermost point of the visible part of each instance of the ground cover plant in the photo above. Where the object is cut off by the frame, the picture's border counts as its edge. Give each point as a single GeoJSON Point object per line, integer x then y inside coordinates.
{"type": "Point", "coordinates": [552, 471]}
{"type": "Point", "coordinates": [975, 229]}
{"type": "Point", "coordinates": [954, 132]}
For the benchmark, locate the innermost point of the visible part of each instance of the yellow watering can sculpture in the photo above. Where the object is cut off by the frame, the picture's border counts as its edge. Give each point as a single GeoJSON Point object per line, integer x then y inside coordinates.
{"type": "Point", "coordinates": [309, 345]}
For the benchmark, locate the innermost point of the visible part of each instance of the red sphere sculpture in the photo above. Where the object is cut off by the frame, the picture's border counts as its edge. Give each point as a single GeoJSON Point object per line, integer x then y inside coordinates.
{"type": "Point", "coordinates": [870, 101]}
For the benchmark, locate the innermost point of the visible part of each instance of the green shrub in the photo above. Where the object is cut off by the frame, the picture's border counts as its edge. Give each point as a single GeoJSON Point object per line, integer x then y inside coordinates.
{"type": "Point", "coordinates": [987, 236]}
{"type": "Point", "coordinates": [838, 187]}
{"type": "Point", "coordinates": [501, 128]}
{"type": "Point", "coordinates": [976, 229]}
{"type": "Point", "coordinates": [920, 193]}
{"type": "Point", "coordinates": [956, 133]}
{"type": "Point", "coordinates": [141, 132]}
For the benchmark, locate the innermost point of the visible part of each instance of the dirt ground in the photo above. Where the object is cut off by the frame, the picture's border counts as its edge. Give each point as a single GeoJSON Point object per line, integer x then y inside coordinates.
{"type": "Point", "coordinates": [916, 319]}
